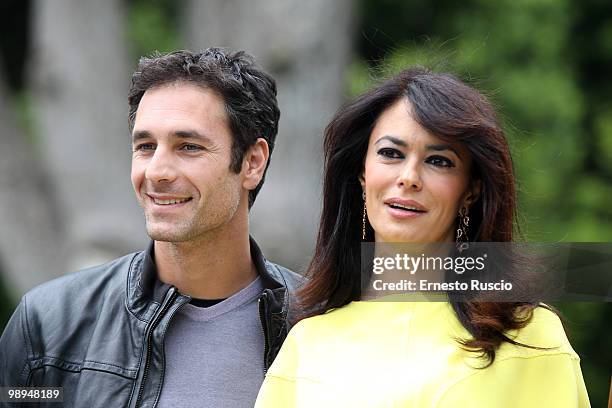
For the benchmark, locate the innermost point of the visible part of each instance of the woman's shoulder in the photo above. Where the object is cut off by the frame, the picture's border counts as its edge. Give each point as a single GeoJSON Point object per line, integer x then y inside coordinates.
{"type": "Point", "coordinates": [543, 335]}
{"type": "Point", "coordinates": [544, 368]}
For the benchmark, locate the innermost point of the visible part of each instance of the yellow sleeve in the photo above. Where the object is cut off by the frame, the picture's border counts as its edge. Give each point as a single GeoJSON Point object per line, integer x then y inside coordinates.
{"type": "Point", "coordinates": [544, 381]}
{"type": "Point", "coordinates": [276, 392]}
{"type": "Point", "coordinates": [279, 386]}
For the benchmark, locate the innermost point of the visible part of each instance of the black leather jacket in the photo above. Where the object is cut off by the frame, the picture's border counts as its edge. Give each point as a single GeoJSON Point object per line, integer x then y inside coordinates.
{"type": "Point", "coordinates": [99, 333]}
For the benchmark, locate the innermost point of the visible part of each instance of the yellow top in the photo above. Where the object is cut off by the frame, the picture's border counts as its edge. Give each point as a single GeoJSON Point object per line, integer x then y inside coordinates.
{"type": "Point", "coordinates": [404, 354]}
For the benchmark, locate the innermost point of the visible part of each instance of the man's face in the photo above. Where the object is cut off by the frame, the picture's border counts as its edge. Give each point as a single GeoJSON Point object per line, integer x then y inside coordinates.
{"type": "Point", "coordinates": [181, 163]}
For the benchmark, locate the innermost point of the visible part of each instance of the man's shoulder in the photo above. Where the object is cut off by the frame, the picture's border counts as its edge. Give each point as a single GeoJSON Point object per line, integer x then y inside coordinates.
{"type": "Point", "coordinates": [77, 320]}
{"type": "Point", "coordinates": [87, 285]}
{"type": "Point", "coordinates": [291, 280]}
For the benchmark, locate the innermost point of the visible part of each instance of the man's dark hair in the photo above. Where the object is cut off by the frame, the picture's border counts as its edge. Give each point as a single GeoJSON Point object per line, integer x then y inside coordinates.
{"type": "Point", "coordinates": [248, 93]}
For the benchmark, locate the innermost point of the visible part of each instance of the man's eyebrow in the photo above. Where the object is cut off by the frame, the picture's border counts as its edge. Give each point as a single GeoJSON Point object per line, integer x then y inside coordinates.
{"type": "Point", "coordinates": [442, 147]}
{"type": "Point", "coordinates": [182, 134]}
{"type": "Point", "coordinates": [392, 139]}
{"type": "Point", "coordinates": [140, 134]}
{"type": "Point", "coordinates": [192, 134]}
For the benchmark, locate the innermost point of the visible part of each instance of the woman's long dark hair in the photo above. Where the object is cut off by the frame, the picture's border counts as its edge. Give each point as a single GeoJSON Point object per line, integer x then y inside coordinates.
{"type": "Point", "coordinates": [453, 111]}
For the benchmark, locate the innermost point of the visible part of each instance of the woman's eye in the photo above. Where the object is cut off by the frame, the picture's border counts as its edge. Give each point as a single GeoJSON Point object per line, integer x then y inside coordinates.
{"type": "Point", "coordinates": [144, 147]}
{"type": "Point", "coordinates": [440, 161]}
{"type": "Point", "coordinates": [390, 153]}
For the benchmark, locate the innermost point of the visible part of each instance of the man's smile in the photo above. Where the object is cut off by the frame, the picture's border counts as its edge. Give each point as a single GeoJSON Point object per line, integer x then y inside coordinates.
{"type": "Point", "coordinates": [168, 200]}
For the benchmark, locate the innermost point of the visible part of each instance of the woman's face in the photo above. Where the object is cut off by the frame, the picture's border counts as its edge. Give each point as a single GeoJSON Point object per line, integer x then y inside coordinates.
{"type": "Point", "coordinates": [415, 183]}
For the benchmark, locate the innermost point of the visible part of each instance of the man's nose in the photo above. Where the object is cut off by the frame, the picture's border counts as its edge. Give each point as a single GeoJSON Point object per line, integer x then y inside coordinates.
{"type": "Point", "coordinates": [161, 167]}
{"type": "Point", "coordinates": [410, 175]}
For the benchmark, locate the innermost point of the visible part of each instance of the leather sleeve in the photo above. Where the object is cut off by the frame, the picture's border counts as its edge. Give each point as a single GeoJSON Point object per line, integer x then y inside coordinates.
{"type": "Point", "coordinates": [15, 349]}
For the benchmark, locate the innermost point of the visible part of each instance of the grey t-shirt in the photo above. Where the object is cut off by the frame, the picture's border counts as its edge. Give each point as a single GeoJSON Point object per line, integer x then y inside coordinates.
{"type": "Point", "coordinates": [214, 355]}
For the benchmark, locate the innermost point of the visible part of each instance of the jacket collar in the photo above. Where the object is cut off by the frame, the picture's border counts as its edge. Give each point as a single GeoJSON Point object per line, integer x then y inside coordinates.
{"type": "Point", "coordinates": [145, 291]}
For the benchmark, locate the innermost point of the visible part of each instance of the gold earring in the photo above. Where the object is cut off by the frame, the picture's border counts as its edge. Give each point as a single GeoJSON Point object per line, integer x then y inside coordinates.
{"type": "Point", "coordinates": [461, 238]}
{"type": "Point", "coordinates": [363, 221]}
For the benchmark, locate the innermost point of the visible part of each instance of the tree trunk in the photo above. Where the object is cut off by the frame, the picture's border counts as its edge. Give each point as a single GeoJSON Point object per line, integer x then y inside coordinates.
{"type": "Point", "coordinates": [30, 236]}
{"type": "Point", "coordinates": [80, 85]}
{"type": "Point", "coordinates": [306, 46]}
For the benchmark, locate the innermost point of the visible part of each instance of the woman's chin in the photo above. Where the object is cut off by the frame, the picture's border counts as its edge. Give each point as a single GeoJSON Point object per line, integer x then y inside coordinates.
{"type": "Point", "coordinates": [422, 235]}
{"type": "Point", "coordinates": [402, 238]}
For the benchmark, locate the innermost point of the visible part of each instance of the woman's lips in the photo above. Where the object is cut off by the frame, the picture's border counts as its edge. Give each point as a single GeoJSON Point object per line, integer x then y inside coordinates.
{"type": "Point", "coordinates": [403, 213]}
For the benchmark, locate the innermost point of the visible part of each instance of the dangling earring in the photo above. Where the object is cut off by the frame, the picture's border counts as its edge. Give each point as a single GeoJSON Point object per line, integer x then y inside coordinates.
{"type": "Point", "coordinates": [363, 221]}
{"type": "Point", "coordinates": [461, 239]}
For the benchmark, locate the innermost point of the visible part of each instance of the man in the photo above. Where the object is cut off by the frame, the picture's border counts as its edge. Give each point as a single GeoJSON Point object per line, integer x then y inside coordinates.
{"type": "Point", "coordinates": [197, 318]}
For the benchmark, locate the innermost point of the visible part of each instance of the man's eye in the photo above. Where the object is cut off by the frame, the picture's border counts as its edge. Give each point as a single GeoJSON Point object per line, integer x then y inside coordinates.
{"type": "Point", "coordinates": [390, 153]}
{"type": "Point", "coordinates": [440, 161]}
{"type": "Point", "coordinates": [191, 147]}
{"type": "Point", "coordinates": [144, 147]}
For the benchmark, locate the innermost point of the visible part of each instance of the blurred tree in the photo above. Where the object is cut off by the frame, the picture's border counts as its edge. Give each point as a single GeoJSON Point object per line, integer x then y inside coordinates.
{"type": "Point", "coordinates": [80, 81]}
{"type": "Point", "coordinates": [29, 246]}
{"type": "Point", "coordinates": [306, 47]}
{"type": "Point", "coordinates": [588, 326]}
{"type": "Point", "coordinates": [8, 302]}
{"type": "Point", "coordinates": [153, 27]}
{"type": "Point", "coordinates": [14, 41]}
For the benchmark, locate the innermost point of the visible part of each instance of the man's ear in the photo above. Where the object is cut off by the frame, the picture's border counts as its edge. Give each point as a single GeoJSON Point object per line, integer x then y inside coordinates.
{"type": "Point", "coordinates": [254, 163]}
{"type": "Point", "coordinates": [473, 193]}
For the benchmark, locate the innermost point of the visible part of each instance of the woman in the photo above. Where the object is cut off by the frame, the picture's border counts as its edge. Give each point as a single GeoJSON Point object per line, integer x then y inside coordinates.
{"type": "Point", "coordinates": [419, 159]}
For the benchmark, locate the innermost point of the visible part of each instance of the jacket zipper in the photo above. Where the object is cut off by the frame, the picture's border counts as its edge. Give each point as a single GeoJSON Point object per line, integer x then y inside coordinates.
{"type": "Point", "coordinates": [147, 366]}
{"type": "Point", "coordinates": [261, 303]}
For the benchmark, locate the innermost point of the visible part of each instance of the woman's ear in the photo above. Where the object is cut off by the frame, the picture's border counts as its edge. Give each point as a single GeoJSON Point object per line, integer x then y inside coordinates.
{"type": "Point", "coordinates": [473, 193]}
{"type": "Point", "coordinates": [362, 181]}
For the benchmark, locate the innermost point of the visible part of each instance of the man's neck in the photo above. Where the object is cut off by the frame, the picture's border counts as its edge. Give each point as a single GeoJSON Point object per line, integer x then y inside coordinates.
{"type": "Point", "coordinates": [208, 268]}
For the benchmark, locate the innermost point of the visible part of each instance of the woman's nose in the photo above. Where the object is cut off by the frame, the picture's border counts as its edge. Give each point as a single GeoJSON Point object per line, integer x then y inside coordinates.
{"type": "Point", "coordinates": [410, 176]}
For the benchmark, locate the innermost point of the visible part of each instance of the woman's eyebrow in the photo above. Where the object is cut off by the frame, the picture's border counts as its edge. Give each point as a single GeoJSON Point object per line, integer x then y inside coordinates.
{"type": "Point", "coordinates": [442, 147]}
{"type": "Point", "coordinates": [434, 147]}
{"type": "Point", "coordinates": [392, 139]}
